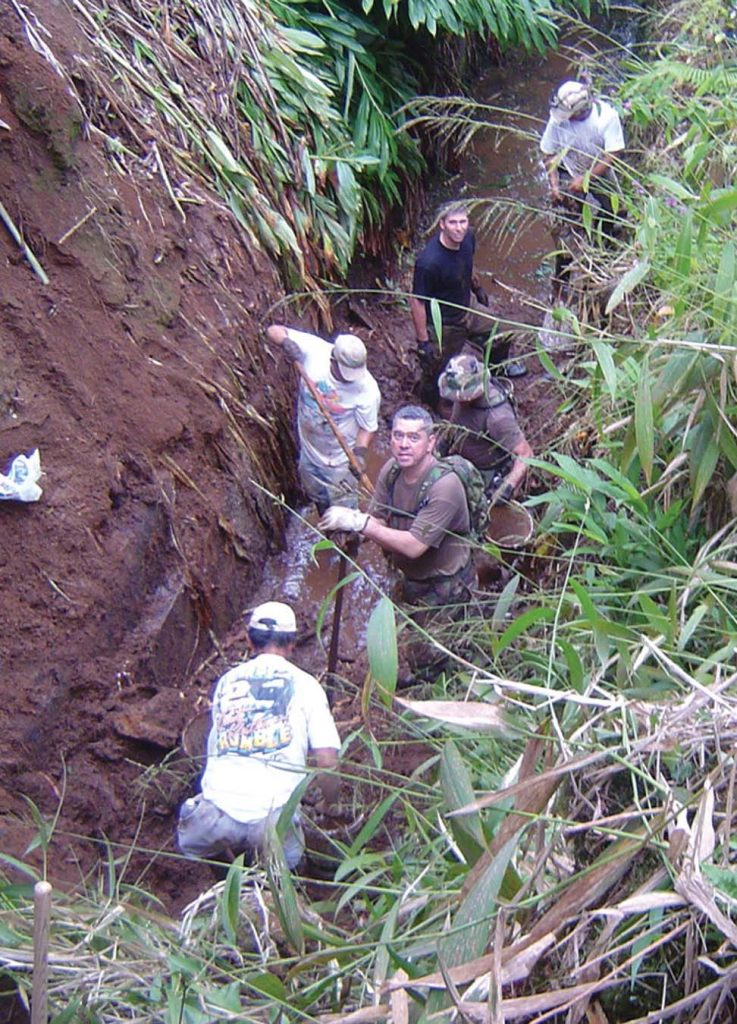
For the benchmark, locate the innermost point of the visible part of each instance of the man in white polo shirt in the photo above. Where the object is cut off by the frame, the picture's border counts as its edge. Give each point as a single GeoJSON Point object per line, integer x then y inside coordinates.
{"type": "Point", "coordinates": [267, 717]}
{"type": "Point", "coordinates": [351, 397]}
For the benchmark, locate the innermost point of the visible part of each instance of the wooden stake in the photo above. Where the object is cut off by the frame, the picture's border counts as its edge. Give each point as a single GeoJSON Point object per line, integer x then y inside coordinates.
{"type": "Point", "coordinates": [41, 917]}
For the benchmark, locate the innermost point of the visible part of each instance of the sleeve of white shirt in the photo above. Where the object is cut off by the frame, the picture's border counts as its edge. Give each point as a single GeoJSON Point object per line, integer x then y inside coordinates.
{"type": "Point", "coordinates": [613, 134]}
{"type": "Point", "coordinates": [367, 411]}
{"type": "Point", "coordinates": [548, 143]}
{"type": "Point", "coordinates": [306, 343]}
{"type": "Point", "coordinates": [321, 728]}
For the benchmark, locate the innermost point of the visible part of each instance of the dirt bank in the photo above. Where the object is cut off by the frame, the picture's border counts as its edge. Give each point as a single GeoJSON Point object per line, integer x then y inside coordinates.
{"type": "Point", "coordinates": [138, 374]}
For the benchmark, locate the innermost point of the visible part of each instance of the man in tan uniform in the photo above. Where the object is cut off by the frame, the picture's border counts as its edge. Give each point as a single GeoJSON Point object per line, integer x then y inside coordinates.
{"type": "Point", "coordinates": [483, 425]}
{"type": "Point", "coordinates": [419, 515]}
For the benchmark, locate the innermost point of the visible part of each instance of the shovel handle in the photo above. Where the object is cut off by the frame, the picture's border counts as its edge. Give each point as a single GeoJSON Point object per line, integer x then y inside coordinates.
{"type": "Point", "coordinates": [352, 460]}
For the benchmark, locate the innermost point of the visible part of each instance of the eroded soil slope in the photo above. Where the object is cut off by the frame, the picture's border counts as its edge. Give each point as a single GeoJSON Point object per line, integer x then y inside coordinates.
{"type": "Point", "coordinates": [138, 374]}
{"type": "Point", "coordinates": [164, 428]}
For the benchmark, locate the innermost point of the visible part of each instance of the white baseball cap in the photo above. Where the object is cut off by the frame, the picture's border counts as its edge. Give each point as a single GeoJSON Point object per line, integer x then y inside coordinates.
{"type": "Point", "coordinates": [273, 617]}
{"type": "Point", "coordinates": [350, 352]}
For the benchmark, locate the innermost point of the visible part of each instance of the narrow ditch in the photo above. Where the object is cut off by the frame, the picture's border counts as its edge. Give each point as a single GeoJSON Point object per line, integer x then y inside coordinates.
{"type": "Point", "coordinates": [512, 258]}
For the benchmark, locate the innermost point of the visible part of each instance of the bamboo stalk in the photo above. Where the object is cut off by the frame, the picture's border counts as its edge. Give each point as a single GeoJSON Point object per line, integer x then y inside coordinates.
{"type": "Point", "coordinates": [41, 916]}
{"type": "Point", "coordinates": [23, 246]}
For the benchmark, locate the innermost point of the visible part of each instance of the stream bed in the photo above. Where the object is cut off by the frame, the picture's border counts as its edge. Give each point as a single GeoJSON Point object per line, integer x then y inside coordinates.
{"type": "Point", "coordinates": [513, 246]}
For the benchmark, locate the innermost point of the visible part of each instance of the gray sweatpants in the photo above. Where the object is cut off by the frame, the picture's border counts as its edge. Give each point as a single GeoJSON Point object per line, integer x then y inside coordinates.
{"type": "Point", "coordinates": [203, 830]}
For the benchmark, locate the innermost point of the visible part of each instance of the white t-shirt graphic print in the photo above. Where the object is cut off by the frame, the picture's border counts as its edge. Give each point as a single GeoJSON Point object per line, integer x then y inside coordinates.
{"type": "Point", "coordinates": [266, 715]}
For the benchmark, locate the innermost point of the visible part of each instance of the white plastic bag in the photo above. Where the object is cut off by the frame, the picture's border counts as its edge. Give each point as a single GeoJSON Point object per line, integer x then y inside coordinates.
{"type": "Point", "coordinates": [20, 482]}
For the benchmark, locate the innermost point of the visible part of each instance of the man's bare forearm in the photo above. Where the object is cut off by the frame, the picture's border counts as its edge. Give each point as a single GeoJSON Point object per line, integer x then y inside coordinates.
{"type": "Point", "coordinates": [419, 318]}
{"type": "Point", "coordinates": [399, 542]}
{"type": "Point", "coordinates": [517, 473]}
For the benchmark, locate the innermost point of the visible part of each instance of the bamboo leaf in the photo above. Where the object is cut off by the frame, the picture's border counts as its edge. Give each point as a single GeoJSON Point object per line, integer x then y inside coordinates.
{"type": "Point", "coordinates": [469, 934]}
{"type": "Point", "coordinates": [603, 353]}
{"type": "Point", "coordinates": [627, 283]}
{"type": "Point", "coordinates": [682, 263]}
{"type": "Point", "coordinates": [230, 900]}
{"type": "Point", "coordinates": [381, 645]}
{"type": "Point", "coordinates": [573, 664]}
{"type": "Point", "coordinates": [719, 209]}
{"type": "Point", "coordinates": [504, 602]}
{"type": "Point", "coordinates": [703, 459]}
{"type": "Point", "coordinates": [673, 187]}
{"type": "Point", "coordinates": [520, 625]}
{"type": "Point", "coordinates": [644, 424]}
{"type": "Point", "coordinates": [375, 819]}
{"type": "Point", "coordinates": [455, 783]}
{"type": "Point", "coordinates": [283, 891]}
{"type": "Point", "coordinates": [437, 321]}
{"type": "Point", "coordinates": [268, 984]}
{"type": "Point", "coordinates": [724, 286]}
{"type": "Point", "coordinates": [470, 714]}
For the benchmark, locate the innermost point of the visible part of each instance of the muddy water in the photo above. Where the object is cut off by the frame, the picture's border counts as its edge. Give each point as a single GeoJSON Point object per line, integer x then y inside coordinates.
{"type": "Point", "coordinates": [512, 246]}
{"type": "Point", "coordinates": [306, 578]}
{"type": "Point", "coordinates": [504, 168]}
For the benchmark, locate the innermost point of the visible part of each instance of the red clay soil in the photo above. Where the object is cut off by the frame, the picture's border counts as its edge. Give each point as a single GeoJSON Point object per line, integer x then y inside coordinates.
{"type": "Point", "coordinates": [139, 374]}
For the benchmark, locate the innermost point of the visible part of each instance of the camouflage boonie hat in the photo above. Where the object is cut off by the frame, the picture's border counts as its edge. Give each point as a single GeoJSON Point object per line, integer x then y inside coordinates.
{"type": "Point", "coordinates": [463, 379]}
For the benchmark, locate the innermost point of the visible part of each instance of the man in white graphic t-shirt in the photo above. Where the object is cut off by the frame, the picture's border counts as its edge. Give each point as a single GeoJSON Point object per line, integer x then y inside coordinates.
{"type": "Point", "coordinates": [267, 717]}
{"type": "Point", "coordinates": [351, 397]}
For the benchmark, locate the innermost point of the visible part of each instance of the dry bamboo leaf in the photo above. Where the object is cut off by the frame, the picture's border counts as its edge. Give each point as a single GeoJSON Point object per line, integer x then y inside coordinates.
{"type": "Point", "coordinates": [530, 800]}
{"type": "Point", "coordinates": [595, 1014]}
{"type": "Point", "coordinates": [644, 902]}
{"type": "Point", "coordinates": [515, 967]}
{"type": "Point", "coordinates": [472, 714]}
{"type": "Point", "coordinates": [696, 892]}
{"type": "Point", "coordinates": [588, 888]}
{"type": "Point", "coordinates": [366, 1015]}
{"type": "Point", "coordinates": [703, 839]}
{"type": "Point", "coordinates": [575, 764]}
{"type": "Point", "coordinates": [525, 1006]}
{"type": "Point", "coordinates": [399, 1000]}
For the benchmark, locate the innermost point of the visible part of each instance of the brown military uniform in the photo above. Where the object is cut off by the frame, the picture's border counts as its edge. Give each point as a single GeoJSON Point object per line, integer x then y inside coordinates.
{"type": "Point", "coordinates": [486, 431]}
{"type": "Point", "coordinates": [444, 576]}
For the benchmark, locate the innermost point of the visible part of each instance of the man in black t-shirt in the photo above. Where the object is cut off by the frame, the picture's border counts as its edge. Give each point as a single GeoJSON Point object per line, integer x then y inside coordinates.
{"type": "Point", "coordinates": [444, 271]}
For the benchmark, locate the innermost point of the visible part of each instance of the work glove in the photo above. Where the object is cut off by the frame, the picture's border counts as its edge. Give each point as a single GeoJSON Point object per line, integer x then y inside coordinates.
{"type": "Point", "coordinates": [502, 495]}
{"type": "Point", "coordinates": [338, 517]}
{"type": "Point", "coordinates": [360, 454]}
{"type": "Point", "coordinates": [482, 295]}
